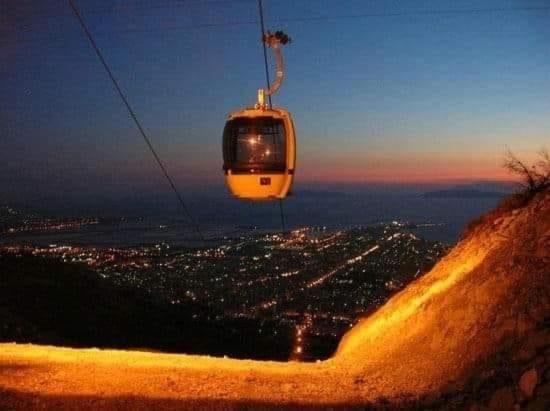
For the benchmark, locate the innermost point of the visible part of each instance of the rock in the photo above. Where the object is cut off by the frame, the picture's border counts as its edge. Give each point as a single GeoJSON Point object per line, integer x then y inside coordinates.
{"type": "Point", "coordinates": [528, 382]}
{"type": "Point", "coordinates": [502, 400]}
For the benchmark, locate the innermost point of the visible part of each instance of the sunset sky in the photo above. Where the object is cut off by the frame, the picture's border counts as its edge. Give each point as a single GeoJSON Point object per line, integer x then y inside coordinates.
{"type": "Point", "coordinates": [381, 91]}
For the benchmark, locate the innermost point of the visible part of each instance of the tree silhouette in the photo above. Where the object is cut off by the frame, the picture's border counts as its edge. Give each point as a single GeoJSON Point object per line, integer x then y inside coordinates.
{"type": "Point", "coordinates": [534, 178]}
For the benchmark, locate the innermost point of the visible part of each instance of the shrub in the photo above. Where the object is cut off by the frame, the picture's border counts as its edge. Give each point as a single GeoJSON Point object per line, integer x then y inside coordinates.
{"type": "Point", "coordinates": [533, 180]}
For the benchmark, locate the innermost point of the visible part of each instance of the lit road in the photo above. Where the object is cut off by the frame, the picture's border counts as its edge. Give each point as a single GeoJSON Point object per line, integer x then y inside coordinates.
{"type": "Point", "coordinates": [320, 280]}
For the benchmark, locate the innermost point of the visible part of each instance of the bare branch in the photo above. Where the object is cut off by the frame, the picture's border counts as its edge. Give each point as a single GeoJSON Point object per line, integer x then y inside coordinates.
{"type": "Point", "coordinates": [535, 178]}
{"type": "Point", "coordinates": [515, 166]}
{"type": "Point", "coordinates": [544, 162]}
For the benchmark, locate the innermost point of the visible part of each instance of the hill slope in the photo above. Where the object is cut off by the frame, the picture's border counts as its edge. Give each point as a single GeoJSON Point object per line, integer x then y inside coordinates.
{"type": "Point", "coordinates": [475, 329]}
{"type": "Point", "coordinates": [44, 301]}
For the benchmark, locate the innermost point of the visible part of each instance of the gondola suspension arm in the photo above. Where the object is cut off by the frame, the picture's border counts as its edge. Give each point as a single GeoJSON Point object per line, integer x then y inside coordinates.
{"type": "Point", "coordinates": [274, 41]}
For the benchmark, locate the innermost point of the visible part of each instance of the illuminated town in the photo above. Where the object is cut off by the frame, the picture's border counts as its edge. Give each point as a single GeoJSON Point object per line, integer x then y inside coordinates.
{"type": "Point", "coordinates": [315, 280]}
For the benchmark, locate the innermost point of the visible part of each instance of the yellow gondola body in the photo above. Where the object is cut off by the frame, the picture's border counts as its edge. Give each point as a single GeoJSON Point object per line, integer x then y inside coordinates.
{"type": "Point", "coordinates": [259, 150]}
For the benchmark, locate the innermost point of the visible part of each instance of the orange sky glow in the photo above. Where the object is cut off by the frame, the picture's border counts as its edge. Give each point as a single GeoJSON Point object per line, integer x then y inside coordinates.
{"type": "Point", "coordinates": [421, 169]}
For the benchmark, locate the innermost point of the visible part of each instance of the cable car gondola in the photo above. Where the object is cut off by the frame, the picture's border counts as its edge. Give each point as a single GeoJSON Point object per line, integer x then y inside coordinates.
{"type": "Point", "coordinates": [259, 143]}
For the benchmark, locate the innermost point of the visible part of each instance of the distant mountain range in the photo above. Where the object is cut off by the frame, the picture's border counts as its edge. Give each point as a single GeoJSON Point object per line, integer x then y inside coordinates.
{"type": "Point", "coordinates": [463, 193]}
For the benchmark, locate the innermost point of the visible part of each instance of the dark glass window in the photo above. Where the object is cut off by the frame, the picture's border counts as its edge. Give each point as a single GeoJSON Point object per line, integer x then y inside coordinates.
{"type": "Point", "coordinates": [254, 145]}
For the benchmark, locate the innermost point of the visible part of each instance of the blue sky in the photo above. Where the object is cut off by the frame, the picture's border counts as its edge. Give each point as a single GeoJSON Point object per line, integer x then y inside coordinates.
{"type": "Point", "coordinates": [427, 97]}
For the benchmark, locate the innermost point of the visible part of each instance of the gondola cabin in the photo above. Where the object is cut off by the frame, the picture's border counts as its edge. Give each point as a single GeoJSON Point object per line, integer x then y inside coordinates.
{"type": "Point", "coordinates": [259, 153]}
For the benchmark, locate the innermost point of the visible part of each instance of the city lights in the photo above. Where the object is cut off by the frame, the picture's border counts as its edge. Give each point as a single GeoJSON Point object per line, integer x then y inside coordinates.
{"type": "Point", "coordinates": [316, 280]}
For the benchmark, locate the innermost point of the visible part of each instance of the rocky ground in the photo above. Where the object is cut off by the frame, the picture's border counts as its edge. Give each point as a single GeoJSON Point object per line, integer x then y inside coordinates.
{"type": "Point", "coordinates": [518, 383]}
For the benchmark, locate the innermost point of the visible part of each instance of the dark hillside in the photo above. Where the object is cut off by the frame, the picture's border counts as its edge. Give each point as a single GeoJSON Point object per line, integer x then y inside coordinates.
{"type": "Point", "coordinates": [50, 302]}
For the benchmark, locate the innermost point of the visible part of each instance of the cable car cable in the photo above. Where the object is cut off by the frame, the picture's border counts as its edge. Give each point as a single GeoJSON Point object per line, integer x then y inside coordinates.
{"type": "Point", "coordinates": [428, 12]}
{"type": "Point", "coordinates": [281, 210]}
{"type": "Point", "coordinates": [281, 20]}
{"type": "Point", "coordinates": [134, 117]}
{"type": "Point", "coordinates": [262, 27]}
{"type": "Point", "coordinates": [433, 12]}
